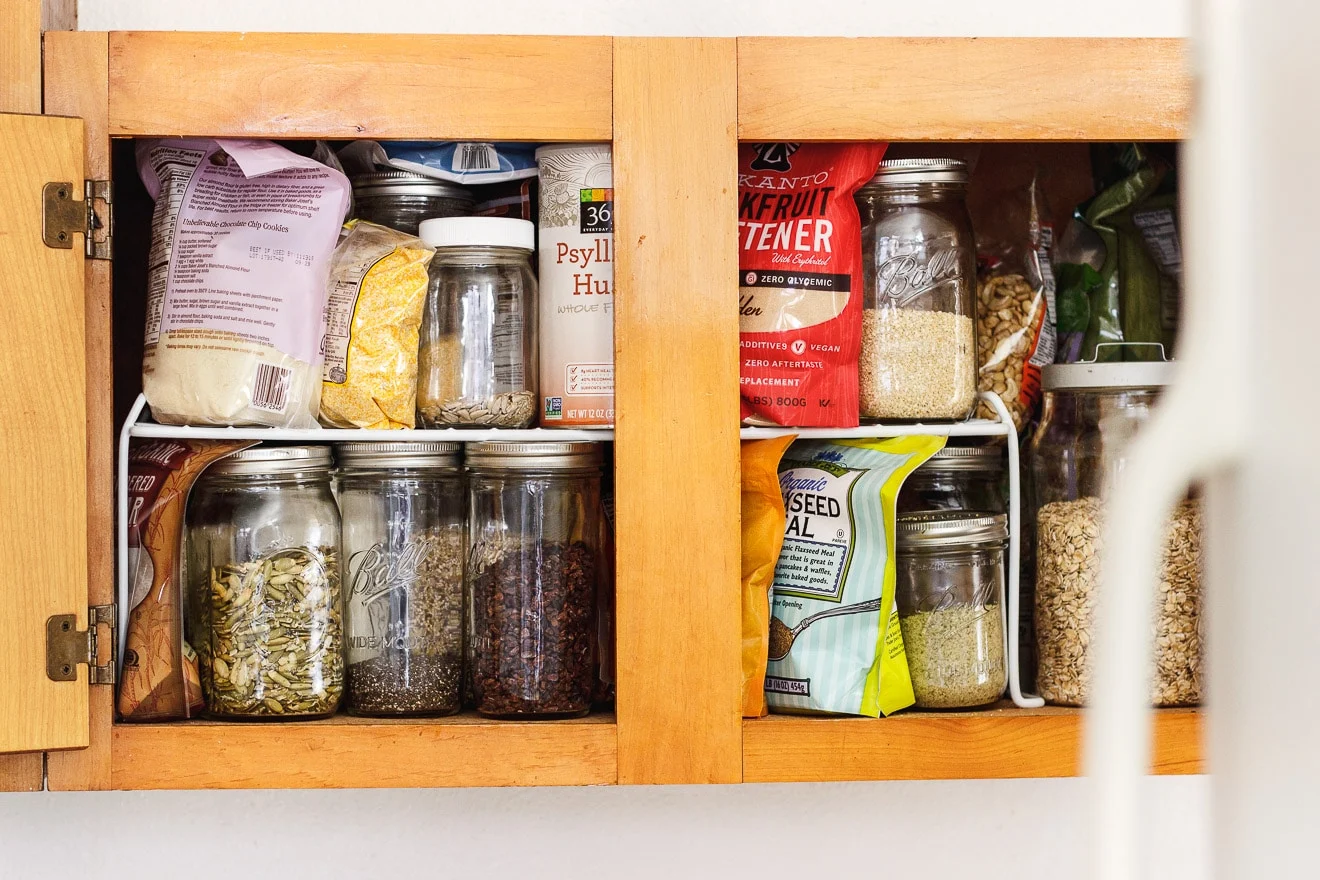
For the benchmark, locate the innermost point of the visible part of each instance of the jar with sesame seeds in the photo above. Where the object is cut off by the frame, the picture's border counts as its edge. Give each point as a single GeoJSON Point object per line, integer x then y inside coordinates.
{"type": "Point", "coordinates": [918, 357]}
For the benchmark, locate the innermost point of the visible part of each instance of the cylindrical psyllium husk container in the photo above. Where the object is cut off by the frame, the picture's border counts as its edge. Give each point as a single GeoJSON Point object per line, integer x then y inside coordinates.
{"type": "Point", "coordinates": [577, 285]}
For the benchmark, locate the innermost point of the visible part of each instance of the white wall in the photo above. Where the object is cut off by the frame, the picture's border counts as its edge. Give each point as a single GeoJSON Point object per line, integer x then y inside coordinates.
{"type": "Point", "coordinates": [1021, 830]}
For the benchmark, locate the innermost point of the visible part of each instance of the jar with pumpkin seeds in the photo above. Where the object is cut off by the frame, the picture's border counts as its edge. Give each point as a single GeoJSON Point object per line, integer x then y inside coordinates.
{"type": "Point", "coordinates": [263, 548]}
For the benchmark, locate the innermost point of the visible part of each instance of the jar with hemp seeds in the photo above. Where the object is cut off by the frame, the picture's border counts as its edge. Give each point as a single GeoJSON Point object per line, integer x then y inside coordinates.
{"type": "Point", "coordinates": [405, 527]}
{"type": "Point", "coordinates": [918, 357]}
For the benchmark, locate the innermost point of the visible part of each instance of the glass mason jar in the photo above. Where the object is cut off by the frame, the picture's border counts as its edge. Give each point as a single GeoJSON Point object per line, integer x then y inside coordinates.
{"type": "Point", "coordinates": [477, 362]}
{"type": "Point", "coordinates": [404, 507]}
{"type": "Point", "coordinates": [534, 529]}
{"type": "Point", "coordinates": [958, 478]}
{"type": "Point", "coordinates": [918, 358]}
{"type": "Point", "coordinates": [263, 568]}
{"type": "Point", "coordinates": [402, 200]}
{"type": "Point", "coordinates": [1090, 414]}
{"type": "Point", "coordinates": [950, 597]}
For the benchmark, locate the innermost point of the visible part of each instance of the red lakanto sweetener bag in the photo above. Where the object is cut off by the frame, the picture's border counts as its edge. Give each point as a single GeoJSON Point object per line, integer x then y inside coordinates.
{"type": "Point", "coordinates": [800, 276]}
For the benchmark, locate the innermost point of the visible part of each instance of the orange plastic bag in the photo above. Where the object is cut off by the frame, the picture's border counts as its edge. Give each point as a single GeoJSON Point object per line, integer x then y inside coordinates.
{"type": "Point", "coordinates": [762, 537]}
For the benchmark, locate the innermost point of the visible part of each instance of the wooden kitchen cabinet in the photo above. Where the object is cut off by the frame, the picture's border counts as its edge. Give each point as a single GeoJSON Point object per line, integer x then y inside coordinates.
{"type": "Point", "coordinates": [674, 110]}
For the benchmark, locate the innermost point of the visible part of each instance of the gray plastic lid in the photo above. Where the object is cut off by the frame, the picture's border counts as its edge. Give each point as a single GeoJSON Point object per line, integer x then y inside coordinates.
{"type": "Point", "coordinates": [552, 456]}
{"type": "Point", "coordinates": [1115, 376]}
{"type": "Point", "coordinates": [400, 454]}
{"type": "Point", "coordinates": [949, 528]}
{"type": "Point", "coordinates": [261, 460]}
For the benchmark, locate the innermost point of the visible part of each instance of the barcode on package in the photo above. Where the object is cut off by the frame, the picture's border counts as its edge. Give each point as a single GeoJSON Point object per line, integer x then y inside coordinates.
{"type": "Point", "coordinates": [270, 391]}
{"type": "Point", "coordinates": [476, 157]}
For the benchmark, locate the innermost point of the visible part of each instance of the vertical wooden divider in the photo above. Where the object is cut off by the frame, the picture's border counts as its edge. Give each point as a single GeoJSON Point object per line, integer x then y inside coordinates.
{"type": "Point", "coordinates": [76, 84]}
{"type": "Point", "coordinates": [676, 393]}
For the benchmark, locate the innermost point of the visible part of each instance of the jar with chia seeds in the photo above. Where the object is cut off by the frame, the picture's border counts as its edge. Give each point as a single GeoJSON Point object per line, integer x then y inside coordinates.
{"type": "Point", "coordinates": [918, 357]}
{"type": "Point", "coordinates": [402, 200]}
{"type": "Point", "coordinates": [950, 598]}
{"type": "Point", "coordinates": [533, 572]}
{"type": "Point", "coordinates": [263, 535]}
{"type": "Point", "coordinates": [959, 478]}
{"type": "Point", "coordinates": [404, 508]}
{"type": "Point", "coordinates": [477, 363]}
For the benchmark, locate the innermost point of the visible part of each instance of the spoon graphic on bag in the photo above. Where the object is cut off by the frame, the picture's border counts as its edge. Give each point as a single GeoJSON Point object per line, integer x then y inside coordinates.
{"type": "Point", "coordinates": [782, 638]}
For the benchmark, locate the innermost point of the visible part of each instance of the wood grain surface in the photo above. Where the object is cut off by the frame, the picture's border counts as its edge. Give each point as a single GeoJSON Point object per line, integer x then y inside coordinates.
{"type": "Point", "coordinates": [360, 86]}
{"type": "Point", "coordinates": [992, 744]}
{"type": "Point", "coordinates": [827, 88]}
{"type": "Point", "coordinates": [43, 455]}
{"type": "Point", "coordinates": [76, 85]}
{"type": "Point", "coordinates": [346, 752]}
{"type": "Point", "coordinates": [20, 56]}
{"type": "Point", "coordinates": [676, 393]}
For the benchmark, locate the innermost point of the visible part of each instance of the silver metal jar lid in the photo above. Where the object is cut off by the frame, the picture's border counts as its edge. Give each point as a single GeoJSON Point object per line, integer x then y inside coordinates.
{"type": "Point", "coordinates": [946, 528]}
{"type": "Point", "coordinates": [407, 183]}
{"type": "Point", "coordinates": [400, 454]}
{"type": "Point", "coordinates": [898, 172]}
{"type": "Point", "coordinates": [261, 460]}
{"type": "Point", "coordinates": [967, 458]}
{"type": "Point", "coordinates": [552, 456]}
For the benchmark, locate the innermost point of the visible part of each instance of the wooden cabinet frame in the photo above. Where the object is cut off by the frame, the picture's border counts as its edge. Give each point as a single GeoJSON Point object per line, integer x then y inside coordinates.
{"type": "Point", "coordinates": [674, 109]}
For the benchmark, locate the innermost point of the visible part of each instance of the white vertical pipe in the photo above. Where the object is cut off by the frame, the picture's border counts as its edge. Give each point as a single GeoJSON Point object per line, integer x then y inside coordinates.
{"type": "Point", "coordinates": [1196, 430]}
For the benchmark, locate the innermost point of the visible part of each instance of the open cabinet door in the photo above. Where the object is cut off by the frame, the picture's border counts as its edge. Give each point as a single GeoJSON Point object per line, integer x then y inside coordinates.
{"type": "Point", "coordinates": [43, 473]}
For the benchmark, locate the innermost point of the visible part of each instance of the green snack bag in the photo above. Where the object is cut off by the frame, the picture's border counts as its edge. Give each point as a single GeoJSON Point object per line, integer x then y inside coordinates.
{"type": "Point", "coordinates": [835, 642]}
{"type": "Point", "coordinates": [1123, 256]}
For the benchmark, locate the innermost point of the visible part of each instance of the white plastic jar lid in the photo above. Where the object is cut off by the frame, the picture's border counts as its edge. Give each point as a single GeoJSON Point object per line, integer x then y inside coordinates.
{"type": "Point", "coordinates": [440, 232]}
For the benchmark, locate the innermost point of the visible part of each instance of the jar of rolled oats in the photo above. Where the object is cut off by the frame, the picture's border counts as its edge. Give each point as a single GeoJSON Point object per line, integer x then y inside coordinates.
{"type": "Point", "coordinates": [1079, 452]}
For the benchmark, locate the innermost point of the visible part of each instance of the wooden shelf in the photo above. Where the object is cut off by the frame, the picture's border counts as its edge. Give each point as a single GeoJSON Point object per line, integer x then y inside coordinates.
{"type": "Point", "coordinates": [962, 89]}
{"type": "Point", "coordinates": [348, 752]}
{"type": "Point", "coordinates": [425, 86]}
{"type": "Point", "coordinates": [998, 743]}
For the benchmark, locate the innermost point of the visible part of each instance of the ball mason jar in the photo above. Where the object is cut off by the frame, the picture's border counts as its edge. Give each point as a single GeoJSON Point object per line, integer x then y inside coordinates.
{"type": "Point", "coordinates": [477, 363]}
{"type": "Point", "coordinates": [404, 507]}
{"type": "Point", "coordinates": [1090, 413]}
{"type": "Point", "coordinates": [950, 598]}
{"type": "Point", "coordinates": [533, 571]}
{"type": "Point", "coordinates": [959, 478]}
{"type": "Point", "coordinates": [402, 200]}
{"type": "Point", "coordinates": [918, 357]}
{"type": "Point", "coordinates": [263, 565]}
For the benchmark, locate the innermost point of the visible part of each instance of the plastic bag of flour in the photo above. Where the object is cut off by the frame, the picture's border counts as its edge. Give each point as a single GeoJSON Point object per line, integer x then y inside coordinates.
{"type": "Point", "coordinates": [241, 240]}
{"type": "Point", "coordinates": [835, 642]}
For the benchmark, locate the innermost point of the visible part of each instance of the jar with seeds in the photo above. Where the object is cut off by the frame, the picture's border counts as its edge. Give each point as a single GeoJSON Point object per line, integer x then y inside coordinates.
{"type": "Point", "coordinates": [404, 506]}
{"type": "Point", "coordinates": [918, 356]}
{"type": "Point", "coordinates": [1090, 414]}
{"type": "Point", "coordinates": [950, 597]}
{"type": "Point", "coordinates": [477, 364]}
{"type": "Point", "coordinates": [264, 594]}
{"type": "Point", "coordinates": [533, 575]}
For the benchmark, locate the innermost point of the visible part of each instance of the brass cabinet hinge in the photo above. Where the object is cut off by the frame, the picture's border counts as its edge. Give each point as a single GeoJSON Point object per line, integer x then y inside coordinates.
{"type": "Point", "coordinates": [67, 646]}
{"type": "Point", "coordinates": [63, 217]}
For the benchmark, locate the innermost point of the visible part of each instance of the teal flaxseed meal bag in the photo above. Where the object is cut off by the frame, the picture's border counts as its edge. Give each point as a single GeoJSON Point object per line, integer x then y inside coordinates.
{"type": "Point", "coordinates": [835, 644]}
